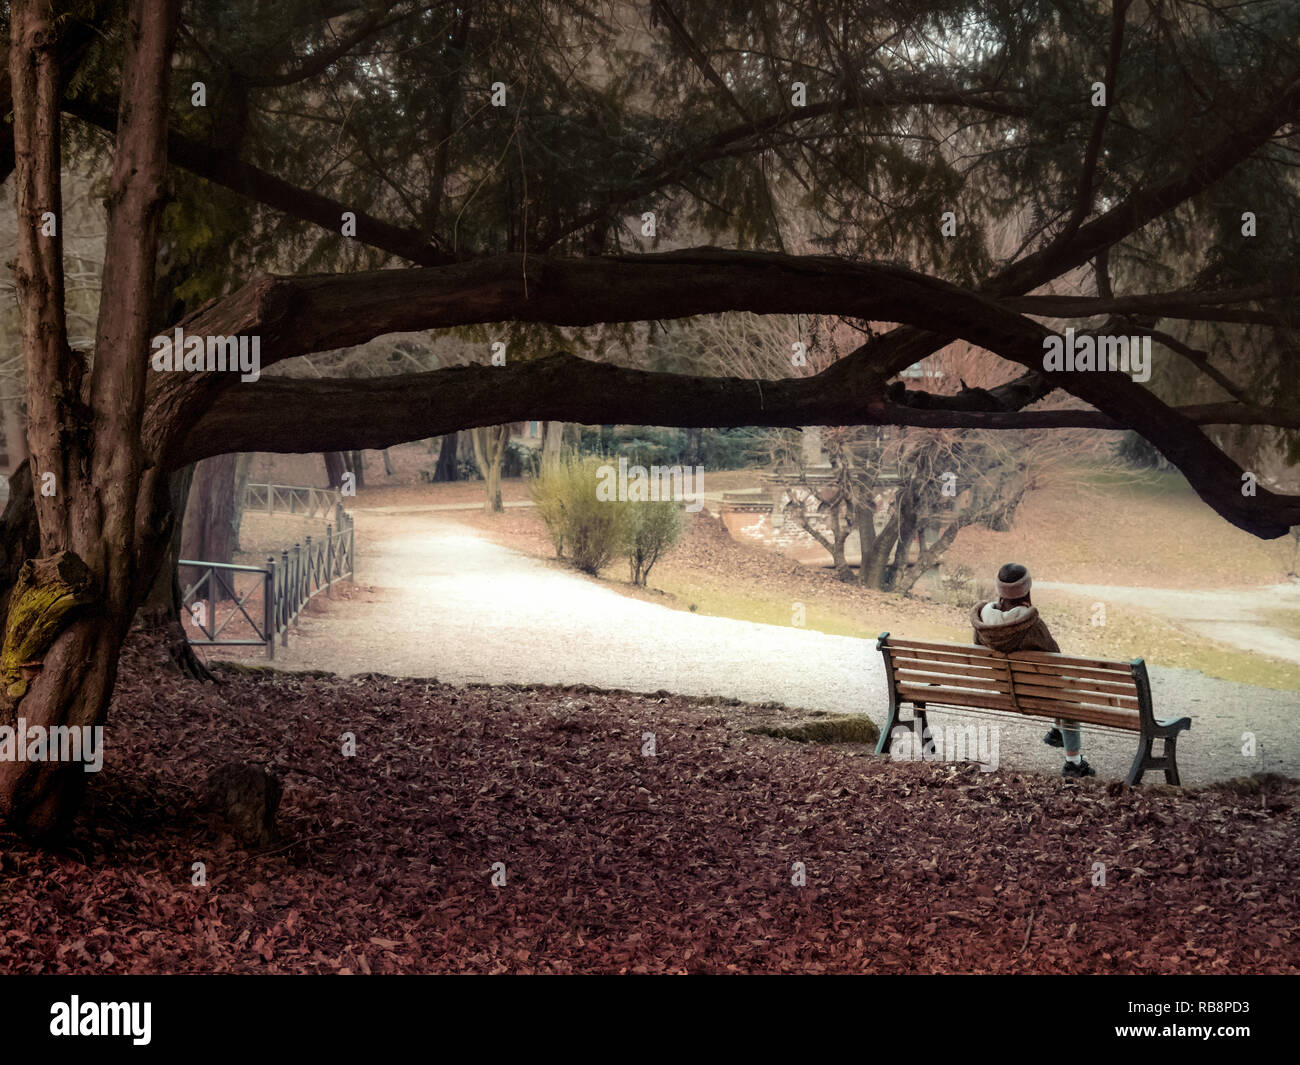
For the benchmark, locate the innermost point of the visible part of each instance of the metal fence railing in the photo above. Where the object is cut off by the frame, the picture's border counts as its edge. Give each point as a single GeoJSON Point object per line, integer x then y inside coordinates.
{"type": "Point", "coordinates": [227, 616]}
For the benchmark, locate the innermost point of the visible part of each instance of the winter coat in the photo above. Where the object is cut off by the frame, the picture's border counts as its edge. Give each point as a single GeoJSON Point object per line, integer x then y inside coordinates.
{"type": "Point", "coordinates": [1017, 629]}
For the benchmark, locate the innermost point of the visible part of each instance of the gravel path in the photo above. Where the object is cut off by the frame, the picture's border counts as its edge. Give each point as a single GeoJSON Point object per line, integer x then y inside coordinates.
{"type": "Point", "coordinates": [1236, 617]}
{"type": "Point", "coordinates": [434, 600]}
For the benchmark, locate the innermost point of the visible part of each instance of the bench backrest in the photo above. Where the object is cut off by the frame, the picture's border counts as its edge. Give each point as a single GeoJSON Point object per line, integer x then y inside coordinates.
{"type": "Point", "coordinates": [1091, 690]}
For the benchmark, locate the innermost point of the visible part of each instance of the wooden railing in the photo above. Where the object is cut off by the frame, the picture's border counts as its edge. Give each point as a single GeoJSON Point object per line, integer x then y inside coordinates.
{"type": "Point", "coordinates": [291, 499]}
{"type": "Point", "coordinates": [286, 586]}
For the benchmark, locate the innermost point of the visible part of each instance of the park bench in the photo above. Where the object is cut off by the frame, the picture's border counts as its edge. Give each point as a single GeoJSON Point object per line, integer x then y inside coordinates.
{"type": "Point", "coordinates": [1113, 696]}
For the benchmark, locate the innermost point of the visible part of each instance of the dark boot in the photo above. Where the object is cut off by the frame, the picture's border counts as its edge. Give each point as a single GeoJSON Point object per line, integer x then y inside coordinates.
{"type": "Point", "coordinates": [1083, 769]}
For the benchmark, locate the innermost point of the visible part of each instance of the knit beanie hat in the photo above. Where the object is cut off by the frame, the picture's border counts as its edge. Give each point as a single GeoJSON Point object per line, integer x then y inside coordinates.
{"type": "Point", "coordinates": [1013, 581]}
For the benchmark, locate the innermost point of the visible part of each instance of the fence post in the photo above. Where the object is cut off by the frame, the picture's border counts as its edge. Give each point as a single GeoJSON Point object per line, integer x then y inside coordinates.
{"type": "Point", "coordinates": [282, 601]}
{"type": "Point", "coordinates": [352, 546]}
{"type": "Point", "coordinates": [329, 560]}
{"type": "Point", "coordinates": [312, 571]}
{"type": "Point", "coordinates": [268, 607]}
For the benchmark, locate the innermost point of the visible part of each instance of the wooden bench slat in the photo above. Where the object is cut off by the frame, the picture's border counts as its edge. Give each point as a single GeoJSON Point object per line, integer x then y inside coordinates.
{"type": "Point", "coordinates": [911, 693]}
{"type": "Point", "coordinates": [1094, 680]}
{"type": "Point", "coordinates": [967, 649]}
{"type": "Point", "coordinates": [970, 667]}
{"type": "Point", "coordinates": [1065, 695]}
{"type": "Point", "coordinates": [1084, 684]}
{"type": "Point", "coordinates": [1107, 676]}
{"type": "Point", "coordinates": [908, 676]}
{"type": "Point", "coordinates": [1127, 720]}
{"type": "Point", "coordinates": [1064, 660]}
{"type": "Point", "coordinates": [961, 669]}
{"type": "Point", "coordinates": [978, 653]}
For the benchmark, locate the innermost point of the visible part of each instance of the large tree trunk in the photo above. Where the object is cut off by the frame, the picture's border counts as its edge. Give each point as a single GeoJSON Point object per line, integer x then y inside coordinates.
{"type": "Point", "coordinates": [15, 435]}
{"type": "Point", "coordinates": [211, 514]}
{"type": "Point", "coordinates": [243, 471]}
{"type": "Point", "coordinates": [875, 562]}
{"type": "Point", "coordinates": [108, 517]}
{"type": "Point", "coordinates": [160, 614]}
{"type": "Point", "coordinates": [335, 468]}
{"type": "Point", "coordinates": [552, 443]}
{"type": "Point", "coordinates": [448, 467]}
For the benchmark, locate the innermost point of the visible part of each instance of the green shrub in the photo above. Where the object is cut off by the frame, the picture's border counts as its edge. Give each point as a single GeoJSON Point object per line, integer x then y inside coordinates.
{"type": "Point", "coordinates": [650, 530]}
{"type": "Point", "coordinates": [589, 532]}
{"type": "Point", "coordinates": [520, 460]}
{"type": "Point", "coordinates": [582, 527]}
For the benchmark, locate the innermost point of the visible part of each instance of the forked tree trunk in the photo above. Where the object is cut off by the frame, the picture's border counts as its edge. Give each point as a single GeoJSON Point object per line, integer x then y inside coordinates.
{"type": "Point", "coordinates": [107, 518]}
{"type": "Point", "coordinates": [489, 453]}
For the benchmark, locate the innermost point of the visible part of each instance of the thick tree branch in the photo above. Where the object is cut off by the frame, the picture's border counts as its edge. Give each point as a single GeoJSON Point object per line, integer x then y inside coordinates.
{"type": "Point", "coordinates": [307, 415]}
{"type": "Point", "coordinates": [294, 316]}
{"type": "Point", "coordinates": [1191, 306]}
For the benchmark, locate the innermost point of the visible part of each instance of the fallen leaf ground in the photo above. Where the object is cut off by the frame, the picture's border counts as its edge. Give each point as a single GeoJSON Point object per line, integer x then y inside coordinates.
{"type": "Point", "coordinates": [616, 860]}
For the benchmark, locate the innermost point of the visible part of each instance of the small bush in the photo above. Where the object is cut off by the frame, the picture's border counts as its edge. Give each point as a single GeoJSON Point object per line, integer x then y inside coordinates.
{"type": "Point", "coordinates": [520, 460]}
{"type": "Point", "coordinates": [582, 527]}
{"type": "Point", "coordinates": [650, 530]}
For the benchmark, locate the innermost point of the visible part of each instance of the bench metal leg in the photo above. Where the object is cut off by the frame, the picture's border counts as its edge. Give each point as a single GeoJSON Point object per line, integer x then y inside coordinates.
{"type": "Point", "coordinates": [1146, 760]}
{"type": "Point", "coordinates": [1171, 765]}
{"type": "Point", "coordinates": [1152, 730]}
{"type": "Point", "coordinates": [894, 720]}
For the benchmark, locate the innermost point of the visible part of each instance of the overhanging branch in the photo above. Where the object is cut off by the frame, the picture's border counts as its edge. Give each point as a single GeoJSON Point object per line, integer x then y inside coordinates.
{"type": "Point", "coordinates": [295, 316]}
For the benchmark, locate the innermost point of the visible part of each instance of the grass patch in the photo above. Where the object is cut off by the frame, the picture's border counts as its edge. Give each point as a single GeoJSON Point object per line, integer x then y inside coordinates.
{"type": "Point", "coordinates": [773, 609]}
{"type": "Point", "coordinates": [1286, 620]}
{"type": "Point", "coordinates": [831, 728]}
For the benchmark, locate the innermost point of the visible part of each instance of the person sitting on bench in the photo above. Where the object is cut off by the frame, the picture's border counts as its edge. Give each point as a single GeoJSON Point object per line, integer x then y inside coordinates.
{"type": "Point", "coordinates": [1012, 623]}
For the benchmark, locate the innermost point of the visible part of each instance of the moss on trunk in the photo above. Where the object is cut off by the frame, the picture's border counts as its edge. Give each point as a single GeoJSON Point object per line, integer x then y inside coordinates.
{"type": "Point", "coordinates": [40, 606]}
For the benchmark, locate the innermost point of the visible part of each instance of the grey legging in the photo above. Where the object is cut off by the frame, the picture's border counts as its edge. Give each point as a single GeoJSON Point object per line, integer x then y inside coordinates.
{"type": "Point", "coordinates": [1070, 734]}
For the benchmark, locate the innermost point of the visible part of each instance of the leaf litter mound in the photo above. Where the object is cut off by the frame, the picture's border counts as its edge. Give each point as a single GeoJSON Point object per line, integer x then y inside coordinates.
{"type": "Point", "coordinates": [618, 860]}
